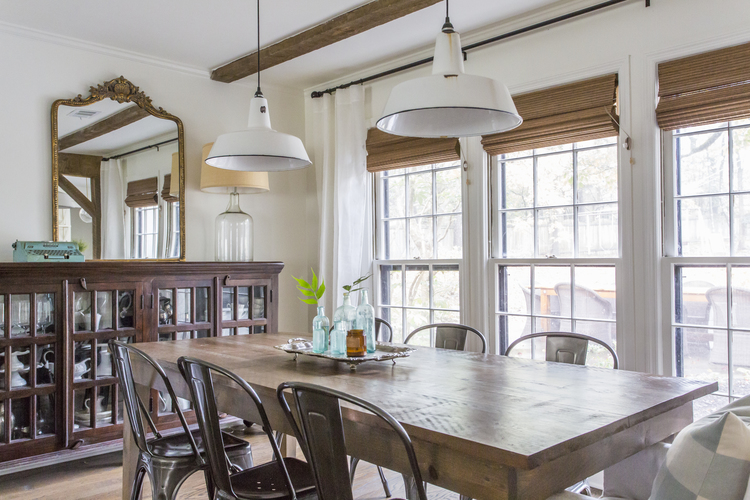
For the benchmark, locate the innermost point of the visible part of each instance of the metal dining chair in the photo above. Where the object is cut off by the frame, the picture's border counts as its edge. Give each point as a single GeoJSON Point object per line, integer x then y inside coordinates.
{"type": "Point", "coordinates": [450, 336]}
{"type": "Point", "coordinates": [383, 326]}
{"type": "Point", "coordinates": [279, 479]}
{"type": "Point", "coordinates": [168, 460]}
{"type": "Point", "coordinates": [566, 347]}
{"type": "Point", "coordinates": [321, 436]}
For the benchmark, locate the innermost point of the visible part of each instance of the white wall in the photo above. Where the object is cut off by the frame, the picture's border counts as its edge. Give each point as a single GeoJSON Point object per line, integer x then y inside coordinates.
{"type": "Point", "coordinates": [629, 39]}
{"type": "Point", "coordinates": [38, 72]}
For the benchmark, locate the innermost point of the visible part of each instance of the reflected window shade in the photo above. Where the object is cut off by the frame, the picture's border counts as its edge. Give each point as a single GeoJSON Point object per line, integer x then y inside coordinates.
{"type": "Point", "coordinates": [143, 193]}
{"type": "Point", "coordinates": [166, 188]}
{"type": "Point", "coordinates": [388, 152]}
{"type": "Point", "coordinates": [574, 112]}
{"type": "Point", "coordinates": [705, 88]}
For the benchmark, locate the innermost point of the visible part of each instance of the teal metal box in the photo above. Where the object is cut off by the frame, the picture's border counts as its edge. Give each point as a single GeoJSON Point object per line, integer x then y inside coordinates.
{"type": "Point", "coordinates": [46, 251]}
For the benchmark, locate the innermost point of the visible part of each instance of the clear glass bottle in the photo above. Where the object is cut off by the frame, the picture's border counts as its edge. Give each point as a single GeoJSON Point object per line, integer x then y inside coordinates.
{"type": "Point", "coordinates": [366, 320]}
{"type": "Point", "coordinates": [321, 326]}
{"type": "Point", "coordinates": [234, 233]}
{"type": "Point", "coordinates": [343, 321]}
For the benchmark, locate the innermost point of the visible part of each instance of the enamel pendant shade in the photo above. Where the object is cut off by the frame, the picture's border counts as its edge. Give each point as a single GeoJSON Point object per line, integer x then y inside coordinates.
{"type": "Point", "coordinates": [259, 148]}
{"type": "Point", "coordinates": [449, 103]}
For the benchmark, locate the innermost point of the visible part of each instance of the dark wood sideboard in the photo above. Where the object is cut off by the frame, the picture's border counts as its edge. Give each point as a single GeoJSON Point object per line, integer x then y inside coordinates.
{"type": "Point", "coordinates": [57, 381]}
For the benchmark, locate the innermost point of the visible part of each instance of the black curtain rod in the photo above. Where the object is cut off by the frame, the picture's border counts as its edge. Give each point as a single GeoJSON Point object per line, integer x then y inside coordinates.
{"type": "Point", "coordinates": [565, 17]}
{"type": "Point", "coordinates": [140, 149]}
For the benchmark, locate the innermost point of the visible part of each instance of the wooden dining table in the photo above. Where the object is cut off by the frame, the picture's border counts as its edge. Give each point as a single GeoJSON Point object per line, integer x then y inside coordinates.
{"type": "Point", "coordinates": [483, 425]}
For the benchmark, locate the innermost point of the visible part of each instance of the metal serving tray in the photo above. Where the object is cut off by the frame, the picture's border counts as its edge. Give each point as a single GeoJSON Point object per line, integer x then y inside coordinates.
{"type": "Point", "coordinates": [383, 352]}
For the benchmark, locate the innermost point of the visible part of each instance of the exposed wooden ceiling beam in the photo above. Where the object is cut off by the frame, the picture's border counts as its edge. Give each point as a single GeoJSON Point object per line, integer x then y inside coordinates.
{"type": "Point", "coordinates": [334, 30]}
{"type": "Point", "coordinates": [116, 121]}
{"type": "Point", "coordinates": [77, 195]}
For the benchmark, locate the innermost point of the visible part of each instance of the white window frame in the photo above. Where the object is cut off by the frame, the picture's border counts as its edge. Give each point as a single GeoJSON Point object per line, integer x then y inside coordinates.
{"type": "Point", "coordinates": [137, 236]}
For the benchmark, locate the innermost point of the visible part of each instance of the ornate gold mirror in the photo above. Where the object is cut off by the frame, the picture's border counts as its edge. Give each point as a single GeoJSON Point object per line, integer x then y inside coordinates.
{"type": "Point", "coordinates": [118, 175]}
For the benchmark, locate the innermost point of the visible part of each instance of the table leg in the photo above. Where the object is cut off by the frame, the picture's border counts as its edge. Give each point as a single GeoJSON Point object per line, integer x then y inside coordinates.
{"type": "Point", "coordinates": [410, 488]}
{"type": "Point", "coordinates": [129, 459]}
{"type": "Point", "coordinates": [288, 446]}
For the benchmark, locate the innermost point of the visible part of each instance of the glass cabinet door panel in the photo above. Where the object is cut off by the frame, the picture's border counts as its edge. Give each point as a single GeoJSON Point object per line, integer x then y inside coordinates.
{"type": "Point", "coordinates": [21, 419]}
{"type": "Point", "coordinates": [82, 360]}
{"type": "Point", "coordinates": [259, 302]}
{"type": "Point", "coordinates": [243, 331]}
{"type": "Point", "coordinates": [2, 319]}
{"type": "Point", "coordinates": [45, 414]}
{"type": "Point", "coordinates": [103, 406]}
{"type": "Point", "coordinates": [19, 366]}
{"type": "Point", "coordinates": [104, 366]}
{"type": "Point", "coordinates": [125, 307]}
{"type": "Point", "coordinates": [201, 334]}
{"type": "Point", "coordinates": [82, 311]}
{"type": "Point", "coordinates": [120, 407]}
{"type": "Point", "coordinates": [165, 403]}
{"type": "Point", "coordinates": [243, 302]}
{"type": "Point", "coordinates": [259, 329]}
{"type": "Point", "coordinates": [163, 337]}
{"type": "Point", "coordinates": [225, 332]}
{"type": "Point", "coordinates": [181, 335]}
{"type": "Point", "coordinates": [166, 307]}
{"type": "Point", "coordinates": [227, 304]}
{"type": "Point", "coordinates": [201, 305]}
{"type": "Point", "coordinates": [184, 300]}
{"type": "Point", "coordinates": [20, 308]}
{"type": "Point", "coordinates": [82, 409]}
{"type": "Point", "coordinates": [45, 364]}
{"type": "Point", "coordinates": [103, 310]}
{"type": "Point", "coordinates": [45, 314]}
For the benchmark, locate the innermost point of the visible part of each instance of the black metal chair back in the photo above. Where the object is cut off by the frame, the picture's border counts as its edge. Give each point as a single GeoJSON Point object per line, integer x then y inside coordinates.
{"type": "Point", "coordinates": [199, 376]}
{"type": "Point", "coordinates": [383, 326]}
{"type": "Point", "coordinates": [321, 436]}
{"type": "Point", "coordinates": [567, 347]}
{"type": "Point", "coordinates": [132, 401]}
{"type": "Point", "coordinates": [450, 336]}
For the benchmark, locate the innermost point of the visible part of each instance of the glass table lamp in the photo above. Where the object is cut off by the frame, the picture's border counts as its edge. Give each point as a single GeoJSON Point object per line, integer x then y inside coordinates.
{"type": "Point", "coordinates": [234, 228]}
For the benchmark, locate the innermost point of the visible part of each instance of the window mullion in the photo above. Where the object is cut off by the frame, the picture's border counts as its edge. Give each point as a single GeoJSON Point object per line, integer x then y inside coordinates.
{"type": "Point", "coordinates": [575, 203]}
{"type": "Point", "coordinates": [730, 336]}
{"type": "Point", "coordinates": [534, 209]}
{"type": "Point", "coordinates": [573, 297]}
{"type": "Point", "coordinates": [730, 149]}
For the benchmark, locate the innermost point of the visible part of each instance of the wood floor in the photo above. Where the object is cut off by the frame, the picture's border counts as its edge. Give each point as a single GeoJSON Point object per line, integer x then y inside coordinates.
{"type": "Point", "coordinates": [100, 478]}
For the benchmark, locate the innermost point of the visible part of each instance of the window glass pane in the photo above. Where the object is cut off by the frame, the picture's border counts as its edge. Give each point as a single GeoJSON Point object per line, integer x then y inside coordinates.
{"type": "Point", "coordinates": [553, 286]}
{"type": "Point", "coordinates": [702, 357]}
{"type": "Point", "coordinates": [740, 363]}
{"type": "Point", "coordinates": [701, 295]}
{"type": "Point", "coordinates": [243, 302]}
{"type": "Point", "coordinates": [514, 327]}
{"type": "Point", "coordinates": [597, 230]}
{"type": "Point", "coordinates": [594, 292]}
{"type": "Point", "coordinates": [741, 302]}
{"type": "Point", "coordinates": [45, 313]}
{"type": "Point", "coordinates": [394, 316]}
{"type": "Point", "coordinates": [448, 191]}
{"type": "Point", "coordinates": [394, 197]}
{"type": "Point", "coordinates": [20, 306]}
{"type": "Point", "coordinates": [421, 238]}
{"type": "Point", "coordinates": [184, 302]}
{"type": "Point", "coordinates": [517, 233]}
{"type": "Point", "coordinates": [555, 232]}
{"type": "Point", "coordinates": [734, 123]}
{"type": "Point", "coordinates": [553, 325]}
{"type": "Point", "coordinates": [201, 305]}
{"type": "Point", "coordinates": [553, 149]}
{"type": "Point", "coordinates": [390, 285]}
{"type": "Point", "coordinates": [414, 319]}
{"type": "Point", "coordinates": [596, 142]}
{"type": "Point", "coordinates": [708, 404]}
{"type": "Point", "coordinates": [701, 128]}
{"type": "Point", "coordinates": [420, 194]}
{"type": "Point", "coordinates": [447, 317]}
{"type": "Point", "coordinates": [597, 175]}
{"type": "Point", "coordinates": [420, 168]}
{"type": "Point", "coordinates": [741, 225]}
{"type": "Point", "coordinates": [449, 237]}
{"type": "Point", "coordinates": [554, 176]}
{"type": "Point", "coordinates": [446, 288]}
{"type": "Point", "coordinates": [702, 166]}
{"type": "Point", "coordinates": [417, 286]}
{"type": "Point", "coordinates": [515, 290]}
{"type": "Point", "coordinates": [517, 154]}
{"type": "Point", "coordinates": [597, 355]}
{"type": "Point", "coordinates": [227, 303]}
{"type": "Point", "coordinates": [394, 234]}
{"type": "Point", "coordinates": [703, 225]}
{"type": "Point", "coordinates": [517, 184]}
{"type": "Point", "coordinates": [741, 159]}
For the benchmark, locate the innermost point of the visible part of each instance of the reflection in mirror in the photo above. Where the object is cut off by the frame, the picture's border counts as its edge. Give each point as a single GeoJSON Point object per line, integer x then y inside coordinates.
{"type": "Point", "coordinates": [116, 160]}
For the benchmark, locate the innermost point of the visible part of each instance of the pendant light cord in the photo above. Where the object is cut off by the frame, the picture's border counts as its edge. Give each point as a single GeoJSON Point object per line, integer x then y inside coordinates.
{"type": "Point", "coordinates": [447, 26]}
{"type": "Point", "coordinates": [258, 93]}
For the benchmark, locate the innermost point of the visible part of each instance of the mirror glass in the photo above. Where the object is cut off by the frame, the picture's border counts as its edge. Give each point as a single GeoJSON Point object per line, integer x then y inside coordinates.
{"type": "Point", "coordinates": [117, 184]}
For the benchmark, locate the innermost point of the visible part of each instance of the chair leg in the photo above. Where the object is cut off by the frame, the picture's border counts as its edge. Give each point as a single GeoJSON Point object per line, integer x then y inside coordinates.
{"type": "Point", "coordinates": [242, 458]}
{"type": "Point", "coordinates": [135, 493]}
{"type": "Point", "coordinates": [353, 461]}
{"type": "Point", "coordinates": [383, 480]}
{"type": "Point", "coordinates": [166, 480]}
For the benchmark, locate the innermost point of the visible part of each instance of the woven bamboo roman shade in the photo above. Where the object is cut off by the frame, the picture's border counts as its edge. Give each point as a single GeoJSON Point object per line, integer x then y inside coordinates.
{"type": "Point", "coordinates": [388, 152]}
{"type": "Point", "coordinates": [705, 88]}
{"type": "Point", "coordinates": [574, 112]}
{"type": "Point", "coordinates": [143, 193]}
{"type": "Point", "coordinates": [165, 190]}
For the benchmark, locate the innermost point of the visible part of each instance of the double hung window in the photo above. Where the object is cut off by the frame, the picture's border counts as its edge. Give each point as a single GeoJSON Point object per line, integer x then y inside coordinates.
{"type": "Point", "coordinates": [145, 232]}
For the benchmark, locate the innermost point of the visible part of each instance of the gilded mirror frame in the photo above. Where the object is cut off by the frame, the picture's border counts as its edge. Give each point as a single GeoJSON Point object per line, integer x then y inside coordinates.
{"type": "Point", "coordinates": [122, 91]}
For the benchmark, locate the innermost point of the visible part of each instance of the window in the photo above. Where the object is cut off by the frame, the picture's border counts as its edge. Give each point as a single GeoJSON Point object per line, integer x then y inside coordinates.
{"type": "Point", "coordinates": [173, 229]}
{"type": "Point", "coordinates": [707, 232]}
{"type": "Point", "coordinates": [555, 241]}
{"type": "Point", "coordinates": [64, 224]}
{"type": "Point", "coordinates": [145, 232]}
{"type": "Point", "coordinates": [420, 246]}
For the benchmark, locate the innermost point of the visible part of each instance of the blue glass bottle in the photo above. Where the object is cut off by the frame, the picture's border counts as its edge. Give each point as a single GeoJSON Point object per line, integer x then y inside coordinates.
{"type": "Point", "coordinates": [321, 326]}
{"type": "Point", "coordinates": [343, 321]}
{"type": "Point", "coordinates": [366, 320]}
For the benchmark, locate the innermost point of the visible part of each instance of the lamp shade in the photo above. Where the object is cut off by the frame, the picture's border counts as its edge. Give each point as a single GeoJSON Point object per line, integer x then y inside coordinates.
{"type": "Point", "coordinates": [218, 180]}
{"type": "Point", "coordinates": [259, 148]}
{"type": "Point", "coordinates": [174, 183]}
{"type": "Point", "coordinates": [449, 103]}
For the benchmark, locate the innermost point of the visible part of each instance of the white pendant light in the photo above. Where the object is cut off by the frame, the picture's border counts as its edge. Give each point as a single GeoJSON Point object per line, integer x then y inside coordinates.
{"type": "Point", "coordinates": [259, 148]}
{"type": "Point", "coordinates": [449, 103]}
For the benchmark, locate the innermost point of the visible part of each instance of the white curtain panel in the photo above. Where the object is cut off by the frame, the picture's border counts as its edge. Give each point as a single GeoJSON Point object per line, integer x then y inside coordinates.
{"type": "Point", "coordinates": [113, 211]}
{"type": "Point", "coordinates": [344, 191]}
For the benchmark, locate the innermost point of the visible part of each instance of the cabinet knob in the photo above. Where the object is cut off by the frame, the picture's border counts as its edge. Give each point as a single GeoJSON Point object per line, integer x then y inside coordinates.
{"type": "Point", "coordinates": [83, 283]}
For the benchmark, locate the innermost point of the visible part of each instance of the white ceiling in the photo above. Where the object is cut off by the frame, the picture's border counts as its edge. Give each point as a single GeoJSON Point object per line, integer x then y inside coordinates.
{"type": "Point", "coordinates": [204, 34]}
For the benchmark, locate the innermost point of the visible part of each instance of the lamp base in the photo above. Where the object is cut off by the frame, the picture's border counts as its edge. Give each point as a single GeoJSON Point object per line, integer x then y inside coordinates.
{"type": "Point", "coordinates": [234, 233]}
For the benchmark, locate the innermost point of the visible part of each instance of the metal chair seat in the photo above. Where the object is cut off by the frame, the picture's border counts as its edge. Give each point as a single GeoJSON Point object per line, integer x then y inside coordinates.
{"type": "Point", "coordinates": [266, 481]}
{"type": "Point", "coordinates": [178, 445]}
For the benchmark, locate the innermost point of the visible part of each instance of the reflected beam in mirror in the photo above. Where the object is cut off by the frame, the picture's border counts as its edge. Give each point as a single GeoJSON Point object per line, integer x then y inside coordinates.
{"type": "Point", "coordinates": [77, 195]}
{"type": "Point", "coordinates": [125, 117]}
{"type": "Point", "coordinates": [80, 165]}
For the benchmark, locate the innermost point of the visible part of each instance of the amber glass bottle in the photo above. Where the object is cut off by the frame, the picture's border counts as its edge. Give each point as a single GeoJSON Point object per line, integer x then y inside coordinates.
{"type": "Point", "coordinates": [355, 343]}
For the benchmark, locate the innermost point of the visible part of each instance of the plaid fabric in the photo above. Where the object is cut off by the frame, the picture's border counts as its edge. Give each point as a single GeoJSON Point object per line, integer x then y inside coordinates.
{"type": "Point", "coordinates": [709, 460]}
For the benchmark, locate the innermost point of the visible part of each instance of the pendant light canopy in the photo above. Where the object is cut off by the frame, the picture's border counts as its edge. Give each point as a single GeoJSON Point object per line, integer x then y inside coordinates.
{"type": "Point", "coordinates": [259, 148]}
{"type": "Point", "coordinates": [449, 103]}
